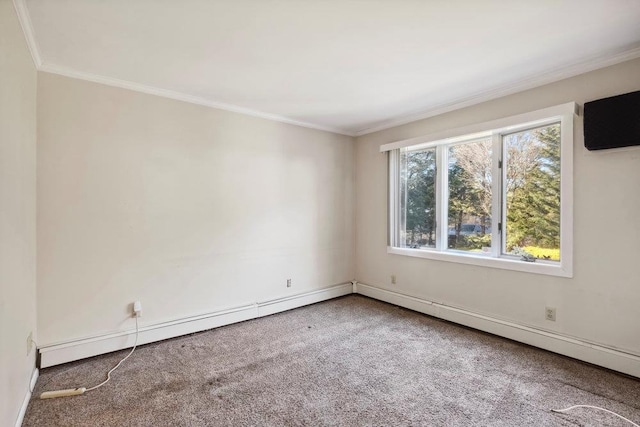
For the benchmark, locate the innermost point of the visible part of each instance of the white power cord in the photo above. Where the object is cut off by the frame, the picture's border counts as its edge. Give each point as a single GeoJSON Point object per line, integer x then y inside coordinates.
{"type": "Point", "coordinates": [135, 344]}
{"type": "Point", "coordinates": [82, 390]}
{"type": "Point", "coordinates": [595, 407]}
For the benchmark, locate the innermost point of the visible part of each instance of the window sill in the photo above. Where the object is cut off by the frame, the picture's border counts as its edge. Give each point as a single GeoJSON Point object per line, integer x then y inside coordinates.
{"type": "Point", "coordinates": [559, 269]}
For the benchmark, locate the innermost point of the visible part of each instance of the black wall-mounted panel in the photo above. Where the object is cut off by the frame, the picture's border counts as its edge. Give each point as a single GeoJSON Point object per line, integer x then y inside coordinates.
{"type": "Point", "coordinates": [612, 122]}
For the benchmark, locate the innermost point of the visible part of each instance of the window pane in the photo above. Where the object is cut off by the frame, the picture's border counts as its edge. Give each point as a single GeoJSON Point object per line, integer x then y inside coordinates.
{"type": "Point", "coordinates": [532, 174]}
{"type": "Point", "coordinates": [470, 196]}
{"type": "Point", "coordinates": [418, 198]}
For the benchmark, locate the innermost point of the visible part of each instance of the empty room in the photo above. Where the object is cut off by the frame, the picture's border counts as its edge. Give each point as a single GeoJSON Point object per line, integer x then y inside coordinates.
{"type": "Point", "coordinates": [319, 213]}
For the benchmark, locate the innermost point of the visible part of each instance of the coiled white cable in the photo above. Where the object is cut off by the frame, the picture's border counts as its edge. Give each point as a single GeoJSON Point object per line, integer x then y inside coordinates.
{"type": "Point", "coordinates": [595, 407]}
{"type": "Point", "coordinates": [82, 390]}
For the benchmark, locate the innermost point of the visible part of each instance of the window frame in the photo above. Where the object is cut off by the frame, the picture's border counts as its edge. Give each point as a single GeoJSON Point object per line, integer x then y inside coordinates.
{"type": "Point", "coordinates": [564, 115]}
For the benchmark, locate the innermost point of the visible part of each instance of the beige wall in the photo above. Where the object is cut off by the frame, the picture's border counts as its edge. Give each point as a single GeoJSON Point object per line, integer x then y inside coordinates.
{"type": "Point", "coordinates": [191, 209]}
{"type": "Point", "coordinates": [185, 208]}
{"type": "Point", "coordinates": [17, 214]}
{"type": "Point", "coordinates": [600, 303]}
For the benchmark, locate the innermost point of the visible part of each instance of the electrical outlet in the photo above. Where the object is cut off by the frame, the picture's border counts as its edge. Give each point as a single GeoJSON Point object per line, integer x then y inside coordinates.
{"type": "Point", "coordinates": [393, 279]}
{"type": "Point", "coordinates": [288, 283]}
{"type": "Point", "coordinates": [29, 343]}
{"type": "Point", "coordinates": [550, 313]}
{"type": "Point", "coordinates": [137, 309]}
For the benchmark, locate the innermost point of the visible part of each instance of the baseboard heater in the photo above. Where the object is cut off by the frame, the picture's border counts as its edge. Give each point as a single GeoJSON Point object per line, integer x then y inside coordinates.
{"type": "Point", "coordinates": [598, 354]}
{"type": "Point", "coordinates": [55, 354]}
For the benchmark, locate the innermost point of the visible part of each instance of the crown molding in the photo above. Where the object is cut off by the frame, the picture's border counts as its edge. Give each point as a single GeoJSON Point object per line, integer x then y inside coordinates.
{"type": "Point", "coordinates": [560, 73]}
{"type": "Point", "coordinates": [179, 96]}
{"type": "Point", "coordinates": [27, 28]}
{"type": "Point", "coordinates": [25, 22]}
{"type": "Point", "coordinates": [552, 76]}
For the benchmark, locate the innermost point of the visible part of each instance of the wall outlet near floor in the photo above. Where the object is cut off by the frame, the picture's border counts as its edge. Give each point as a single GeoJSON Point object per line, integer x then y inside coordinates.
{"type": "Point", "coordinates": [393, 279]}
{"type": "Point", "coordinates": [288, 283]}
{"type": "Point", "coordinates": [550, 313]}
{"type": "Point", "coordinates": [29, 343]}
{"type": "Point", "coordinates": [137, 309]}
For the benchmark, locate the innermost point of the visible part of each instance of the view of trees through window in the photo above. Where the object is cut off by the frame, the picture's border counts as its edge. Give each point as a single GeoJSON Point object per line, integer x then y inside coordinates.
{"type": "Point", "coordinates": [532, 172]}
{"type": "Point", "coordinates": [470, 196]}
{"type": "Point", "coordinates": [530, 197]}
{"type": "Point", "coordinates": [418, 198]}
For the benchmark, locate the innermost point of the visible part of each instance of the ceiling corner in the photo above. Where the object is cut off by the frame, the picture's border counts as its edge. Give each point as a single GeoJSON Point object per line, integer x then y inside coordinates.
{"type": "Point", "coordinates": [25, 22]}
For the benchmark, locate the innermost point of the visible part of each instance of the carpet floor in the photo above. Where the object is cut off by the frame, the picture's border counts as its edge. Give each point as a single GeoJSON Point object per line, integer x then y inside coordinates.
{"type": "Point", "coordinates": [351, 361]}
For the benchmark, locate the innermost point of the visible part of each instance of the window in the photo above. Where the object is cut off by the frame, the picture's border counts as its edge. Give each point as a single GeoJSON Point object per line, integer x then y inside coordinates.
{"type": "Point", "coordinates": [497, 194]}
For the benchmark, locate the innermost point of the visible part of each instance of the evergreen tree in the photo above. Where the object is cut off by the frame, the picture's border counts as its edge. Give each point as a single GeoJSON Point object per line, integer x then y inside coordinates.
{"type": "Point", "coordinates": [420, 196]}
{"type": "Point", "coordinates": [533, 199]}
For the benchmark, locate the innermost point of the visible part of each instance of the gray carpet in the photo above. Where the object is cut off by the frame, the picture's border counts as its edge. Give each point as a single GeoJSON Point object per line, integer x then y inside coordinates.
{"type": "Point", "coordinates": [351, 361]}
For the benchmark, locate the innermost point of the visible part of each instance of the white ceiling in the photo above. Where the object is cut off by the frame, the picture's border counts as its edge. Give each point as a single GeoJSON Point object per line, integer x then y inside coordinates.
{"type": "Point", "coordinates": [343, 65]}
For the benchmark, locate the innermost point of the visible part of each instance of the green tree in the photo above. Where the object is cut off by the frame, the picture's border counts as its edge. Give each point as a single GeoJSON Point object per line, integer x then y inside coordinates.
{"type": "Point", "coordinates": [474, 163]}
{"type": "Point", "coordinates": [460, 195]}
{"type": "Point", "coordinates": [419, 198]}
{"type": "Point", "coordinates": [533, 192]}
{"type": "Point", "coordinates": [470, 189]}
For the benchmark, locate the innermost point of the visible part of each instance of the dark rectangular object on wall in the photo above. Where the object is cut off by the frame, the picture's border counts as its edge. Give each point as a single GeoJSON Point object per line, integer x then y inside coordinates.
{"type": "Point", "coordinates": [612, 122]}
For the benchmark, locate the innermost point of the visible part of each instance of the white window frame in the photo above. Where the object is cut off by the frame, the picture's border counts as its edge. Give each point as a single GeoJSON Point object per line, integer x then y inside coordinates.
{"type": "Point", "coordinates": [563, 114]}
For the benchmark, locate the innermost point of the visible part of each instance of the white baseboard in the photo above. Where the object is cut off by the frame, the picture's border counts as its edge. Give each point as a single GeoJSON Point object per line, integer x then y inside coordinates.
{"type": "Point", "coordinates": [27, 397]}
{"type": "Point", "coordinates": [287, 303]}
{"type": "Point", "coordinates": [79, 349]}
{"type": "Point", "coordinates": [589, 352]}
